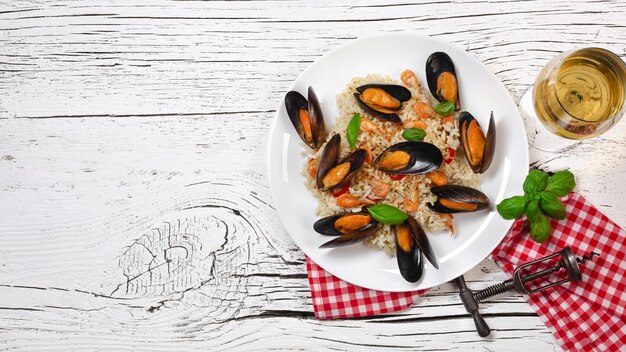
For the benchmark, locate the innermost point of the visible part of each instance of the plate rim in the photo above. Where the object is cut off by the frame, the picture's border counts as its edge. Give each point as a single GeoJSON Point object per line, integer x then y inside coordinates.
{"type": "Point", "coordinates": [409, 34]}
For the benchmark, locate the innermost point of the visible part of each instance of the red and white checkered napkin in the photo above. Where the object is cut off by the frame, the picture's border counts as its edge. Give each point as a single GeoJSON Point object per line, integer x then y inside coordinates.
{"type": "Point", "coordinates": [588, 315]}
{"type": "Point", "coordinates": [334, 298]}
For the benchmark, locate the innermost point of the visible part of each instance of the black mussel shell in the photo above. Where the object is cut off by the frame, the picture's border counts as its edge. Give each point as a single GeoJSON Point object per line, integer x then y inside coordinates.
{"type": "Point", "coordinates": [424, 158]}
{"type": "Point", "coordinates": [326, 226]}
{"type": "Point", "coordinates": [401, 93]}
{"type": "Point", "coordinates": [490, 145]}
{"type": "Point", "coordinates": [318, 128]}
{"type": "Point", "coordinates": [387, 117]}
{"type": "Point", "coordinates": [422, 241]}
{"type": "Point", "coordinates": [328, 159]}
{"type": "Point", "coordinates": [437, 64]}
{"type": "Point", "coordinates": [409, 256]}
{"type": "Point", "coordinates": [478, 166]}
{"type": "Point", "coordinates": [351, 237]}
{"type": "Point", "coordinates": [356, 159]}
{"type": "Point", "coordinates": [294, 102]}
{"type": "Point", "coordinates": [458, 194]}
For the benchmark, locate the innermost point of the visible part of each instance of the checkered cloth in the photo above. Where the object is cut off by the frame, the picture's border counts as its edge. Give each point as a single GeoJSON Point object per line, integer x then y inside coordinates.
{"type": "Point", "coordinates": [334, 298]}
{"type": "Point", "coordinates": [587, 315]}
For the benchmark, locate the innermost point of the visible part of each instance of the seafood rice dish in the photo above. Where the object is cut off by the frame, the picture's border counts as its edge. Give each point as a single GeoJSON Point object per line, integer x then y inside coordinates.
{"type": "Point", "coordinates": [398, 161]}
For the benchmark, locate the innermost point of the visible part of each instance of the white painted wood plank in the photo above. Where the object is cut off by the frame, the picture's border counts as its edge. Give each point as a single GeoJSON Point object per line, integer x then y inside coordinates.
{"type": "Point", "coordinates": [135, 208]}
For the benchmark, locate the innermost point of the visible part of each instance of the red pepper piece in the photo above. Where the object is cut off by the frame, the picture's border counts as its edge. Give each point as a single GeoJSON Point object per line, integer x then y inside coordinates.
{"type": "Point", "coordinates": [451, 154]}
{"type": "Point", "coordinates": [396, 177]}
{"type": "Point", "coordinates": [339, 191]}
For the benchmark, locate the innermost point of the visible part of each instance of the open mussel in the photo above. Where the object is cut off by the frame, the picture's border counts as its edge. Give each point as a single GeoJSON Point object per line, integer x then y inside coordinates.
{"type": "Point", "coordinates": [328, 159]}
{"type": "Point", "coordinates": [408, 254]}
{"type": "Point", "coordinates": [306, 117]}
{"type": "Point", "coordinates": [479, 150]}
{"type": "Point", "coordinates": [458, 199]}
{"type": "Point", "coordinates": [441, 78]}
{"type": "Point", "coordinates": [350, 227]}
{"type": "Point", "coordinates": [332, 174]}
{"type": "Point", "coordinates": [382, 100]}
{"type": "Point", "coordinates": [409, 158]}
{"type": "Point", "coordinates": [411, 244]}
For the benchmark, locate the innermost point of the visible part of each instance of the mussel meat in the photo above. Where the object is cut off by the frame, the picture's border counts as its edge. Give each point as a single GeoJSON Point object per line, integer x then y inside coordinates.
{"type": "Point", "coordinates": [382, 100]}
{"type": "Point", "coordinates": [409, 158]}
{"type": "Point", "coordinates": [350, 227]}
{"type": "Point", "coordinates": [458, 199]}
{"type": "Point", "coordinates": [479, 150]}
{"type": "Point", "coordinates": [422, 241]}
{"type": "Point", "coordinates": [411, 243]}
{"type": "Point", "coordinates": [441, 78]}
{"type": "Point", "coordinates": [306, 117]}
{"type": "Point", "coordinates": [328, 159]}
{"type": "Point", "coordinates": [330, 173]}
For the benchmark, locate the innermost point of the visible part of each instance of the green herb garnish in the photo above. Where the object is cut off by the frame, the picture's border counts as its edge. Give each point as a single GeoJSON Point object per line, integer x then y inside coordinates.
{"type": "Point", "coordinates": [551, 205]}
{"type": "Point", "coordinates": [354, 126]}
{"type": "Point", "coordinates": [536, 181]}
{"type": "Point", "coordinates": [561, 183]}
{"type": "Point", "coordinates": [413, 134]}
{"type": "Point", "coordinates": [512, 208]}
{"type": "Point", "coordinates": [532, 210]}
{"type": "Point", "coordinates": [540, 229]}
{"type": "Point", "coordinates": [445, 108]}
{"type": "Point", "coordinates": [540, 201]}
{"type": "Point", "coordinates": [387, 214]}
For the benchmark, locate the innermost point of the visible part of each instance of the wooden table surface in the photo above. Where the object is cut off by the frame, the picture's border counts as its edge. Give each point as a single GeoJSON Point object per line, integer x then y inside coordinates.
{"type": "Point", "coordinates": [135, 208]}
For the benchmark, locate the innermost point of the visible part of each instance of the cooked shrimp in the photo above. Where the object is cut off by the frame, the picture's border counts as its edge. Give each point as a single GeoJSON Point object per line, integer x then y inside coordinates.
{"type": "Point", "coordinates": [408, 78]}
{"type": "Point", "coordinates": [379, 188]}
{"type": "Point", "coordinates": [424, 110]}
{"type": "Point", "coordinates": [312, 169]}
{"type": "Point", "coordinates": [448, 219]}
{"type": "Point", "coordinates": [412, 202]}
{"type": "Point", "coordinates": [438, 178]}
{"type": "Point", "coordinates": [368, 126]}
{"type": "Point", "coordinates": [447, 119]}
{"type": "Point", "coordinates": [409, 205]}
{"type": "Point", "coordinates": [415, 124]}
{"type": "Point", "coordinates": [347, 200]}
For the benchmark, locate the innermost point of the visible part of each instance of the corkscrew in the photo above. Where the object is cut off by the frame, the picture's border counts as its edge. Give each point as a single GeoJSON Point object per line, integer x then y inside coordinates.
{"type": "Point", "coordinates": [521, 281]}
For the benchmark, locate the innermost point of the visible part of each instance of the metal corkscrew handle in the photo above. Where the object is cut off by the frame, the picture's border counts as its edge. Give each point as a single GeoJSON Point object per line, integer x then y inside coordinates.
{"type": "Point", "coordinates": [568, 261]}
{"type": "Point", "coordinates": [471, 305]}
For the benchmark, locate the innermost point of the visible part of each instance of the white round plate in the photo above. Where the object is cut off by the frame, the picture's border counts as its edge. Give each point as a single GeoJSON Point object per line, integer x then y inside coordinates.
{"type": "Point", "coordinates": [477, 234]}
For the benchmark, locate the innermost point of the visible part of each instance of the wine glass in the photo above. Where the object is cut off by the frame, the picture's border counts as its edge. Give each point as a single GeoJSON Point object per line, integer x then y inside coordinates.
{"type": "Point", "coordinates": [577, 95]}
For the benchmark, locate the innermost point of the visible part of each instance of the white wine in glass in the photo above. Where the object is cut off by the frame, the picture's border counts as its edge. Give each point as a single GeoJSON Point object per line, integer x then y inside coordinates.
{"type": "Point", "coordinates": [580, 94]}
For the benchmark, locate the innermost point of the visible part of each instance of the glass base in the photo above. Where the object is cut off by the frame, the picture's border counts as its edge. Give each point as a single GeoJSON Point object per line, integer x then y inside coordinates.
{"type": "Point", "coordinates": [538, 136]}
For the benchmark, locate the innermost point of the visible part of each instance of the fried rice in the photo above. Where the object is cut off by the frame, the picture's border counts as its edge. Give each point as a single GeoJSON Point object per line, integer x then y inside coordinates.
{"type": "Point", "coordinates": [369, 186]}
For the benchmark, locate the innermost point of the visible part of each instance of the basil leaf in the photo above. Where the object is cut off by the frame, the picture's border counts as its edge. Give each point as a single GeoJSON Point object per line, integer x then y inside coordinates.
{"type": "Point", "coordinates": [536, 181]}
{"type": "Point", "coordinates": [414, 134]}
{"type": "Point", "coordinates": [354, 126]}
{"type": "Point", "coordinates": [445, 108]}
{"type": "Point", "coordinates": [532, 210]}
{"type": "Point", "coordinates": [387, 214]}
{"type": "Point", "coordinates": [540, 229]}
{"type": "Point", "coordinates": [512, 208]}
{"type": "Point", "coordinates": [561, 183]}
{"type": "Point", "coordinates": [551, 205]}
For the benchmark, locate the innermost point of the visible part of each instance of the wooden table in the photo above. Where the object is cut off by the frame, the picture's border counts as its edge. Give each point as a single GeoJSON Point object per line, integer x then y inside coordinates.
{"type": "Point", "coordinates": [134, 202]}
